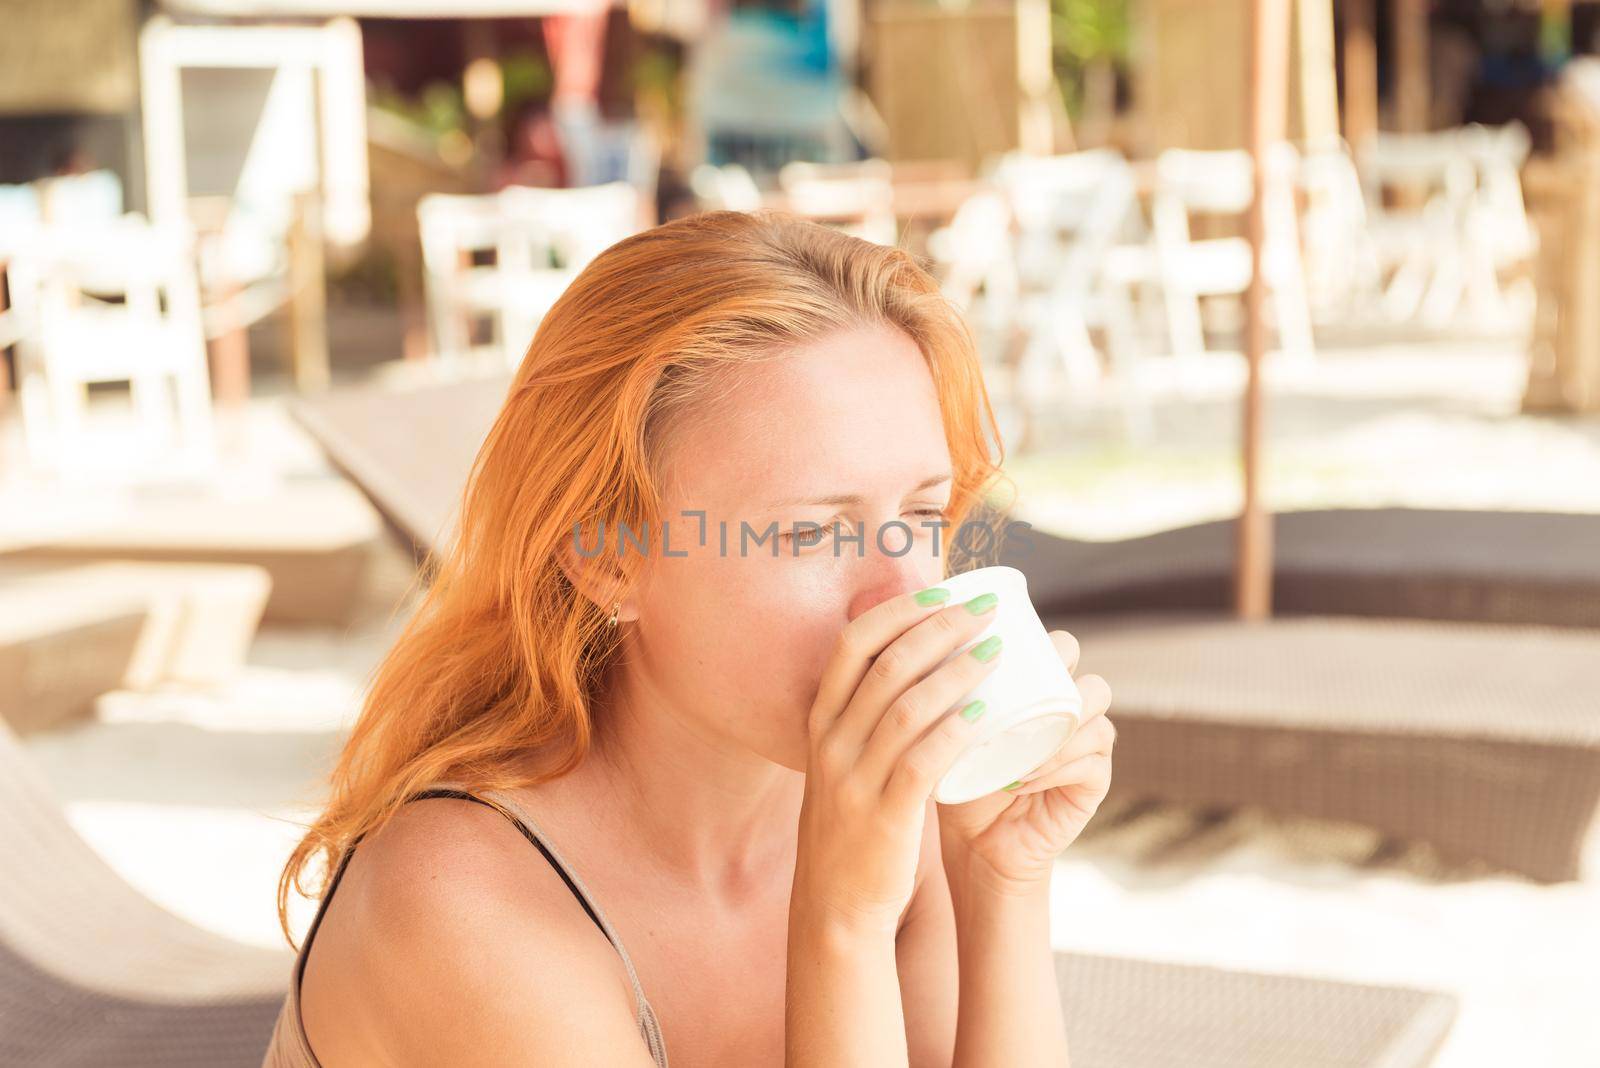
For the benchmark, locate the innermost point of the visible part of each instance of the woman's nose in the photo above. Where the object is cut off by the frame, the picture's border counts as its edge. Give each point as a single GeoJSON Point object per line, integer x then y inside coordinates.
{"type": "Point", "coordinates": [892, 578]}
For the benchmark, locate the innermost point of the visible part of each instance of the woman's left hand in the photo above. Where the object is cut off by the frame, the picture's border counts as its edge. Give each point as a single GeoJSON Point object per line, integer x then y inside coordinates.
{"type": "Point", "coordinates": [1010, 839]}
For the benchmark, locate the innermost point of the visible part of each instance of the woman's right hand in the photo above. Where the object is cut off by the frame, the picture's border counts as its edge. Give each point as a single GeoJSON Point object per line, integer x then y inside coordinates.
{"type": "Point", "coordinates": [879, 742]}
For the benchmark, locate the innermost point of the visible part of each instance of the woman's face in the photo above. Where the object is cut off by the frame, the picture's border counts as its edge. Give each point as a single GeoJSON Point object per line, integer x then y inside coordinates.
{"type": "Point", "coordinates": [733, 636]}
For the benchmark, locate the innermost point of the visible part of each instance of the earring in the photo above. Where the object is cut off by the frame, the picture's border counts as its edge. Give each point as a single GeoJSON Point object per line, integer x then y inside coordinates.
{"type": "Point", "coordinates": [614, 610]}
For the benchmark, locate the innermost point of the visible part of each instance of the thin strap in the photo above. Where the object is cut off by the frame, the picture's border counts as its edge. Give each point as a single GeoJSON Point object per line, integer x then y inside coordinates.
{"type": "Point", "coordinates": [527, 832]}
{"type": "Point", "coordinates": [508, 806]}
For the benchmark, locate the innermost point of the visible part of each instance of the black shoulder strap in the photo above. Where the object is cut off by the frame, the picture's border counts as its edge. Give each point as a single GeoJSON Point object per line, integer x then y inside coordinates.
{"type": "Point", "coordinates": [527, 833]}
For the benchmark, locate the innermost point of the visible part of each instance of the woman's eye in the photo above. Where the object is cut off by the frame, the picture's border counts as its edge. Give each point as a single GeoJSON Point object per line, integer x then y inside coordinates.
{"type": "Point", "coordinates": [806, 537]}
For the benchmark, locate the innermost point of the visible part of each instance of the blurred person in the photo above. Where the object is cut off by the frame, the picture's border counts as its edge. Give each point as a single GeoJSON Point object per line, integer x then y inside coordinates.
{"type": "Point", "coordinates": [614, 803]}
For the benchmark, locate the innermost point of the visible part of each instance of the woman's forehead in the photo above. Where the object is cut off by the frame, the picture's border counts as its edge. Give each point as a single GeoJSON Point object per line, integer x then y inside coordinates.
{"type": "Point", "coordinates": [855, 413]}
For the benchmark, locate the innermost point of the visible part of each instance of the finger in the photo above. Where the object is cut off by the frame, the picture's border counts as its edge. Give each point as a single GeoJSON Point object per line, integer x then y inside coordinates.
{"type": "Point", "coordinates": [1096, 694]}
{"type": "Point", "coordinates": [858, 643]}
{"type": "Point", "coordinates": [905, 662]}
{"type": "Point", "coordinates": [1095, 736]}
{"type": "Point", "coordinates": [919, 769]}
{"type": "Point", "coordinates": [1092, 771]}
{"type": "Point", "coordinates": [1068, 647]}
{"type": "Point", "coordinates": [910, 715]}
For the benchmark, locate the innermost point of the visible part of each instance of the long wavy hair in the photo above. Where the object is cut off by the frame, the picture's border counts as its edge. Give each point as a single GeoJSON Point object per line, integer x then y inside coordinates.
{"type": "Point", "coordinates": [504, 656]}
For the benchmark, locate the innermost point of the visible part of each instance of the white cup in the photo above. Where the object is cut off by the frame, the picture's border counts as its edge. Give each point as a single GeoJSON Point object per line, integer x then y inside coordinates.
{"type": "Point", "coordinates": [1033, 704]}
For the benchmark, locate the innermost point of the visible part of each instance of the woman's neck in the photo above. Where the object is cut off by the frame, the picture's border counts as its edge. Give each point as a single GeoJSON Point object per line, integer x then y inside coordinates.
{"type": "Point", "coordinates": [718, 819]}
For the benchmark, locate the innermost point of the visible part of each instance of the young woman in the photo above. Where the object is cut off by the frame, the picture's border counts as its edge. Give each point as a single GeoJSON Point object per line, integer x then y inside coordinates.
{"type": "Point", "coordinates": [728, 743]}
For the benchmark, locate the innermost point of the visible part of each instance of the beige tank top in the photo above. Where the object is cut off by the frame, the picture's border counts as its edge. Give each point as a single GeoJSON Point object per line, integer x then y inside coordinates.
{"type": "Point", "coordinates": [290, 1048]}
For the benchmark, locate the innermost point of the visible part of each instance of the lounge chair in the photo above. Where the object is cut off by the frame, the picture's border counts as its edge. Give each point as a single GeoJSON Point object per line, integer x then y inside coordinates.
{"type": "Point", "coordinates": [1482, 740]}
{"type": "Point", "coordinates": [1125, 1013]}
{"type": "Point", "coordinates": [1399, 563]}
{"type": "Point", "coordinates": [92, 973]}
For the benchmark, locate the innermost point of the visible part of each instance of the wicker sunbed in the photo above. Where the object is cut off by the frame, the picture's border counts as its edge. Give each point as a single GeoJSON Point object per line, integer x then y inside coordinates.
{"type": "Point", "coordinates": [1491, 567]}
{"type": "Point", "coordinates": [92, 973]}
{"type": "Point", "coordinates": [1222, 715]}
{"type": "Point", "coordinates": [1124, 1013]}
{"type": "Point", "coordinates": [1482, 740]}
{"type": "Point", "coordinates": [409, 450]}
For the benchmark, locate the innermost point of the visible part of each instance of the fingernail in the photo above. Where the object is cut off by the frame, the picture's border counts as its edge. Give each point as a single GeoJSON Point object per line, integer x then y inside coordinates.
{"type": "Point", "coordinates": [973, 711]}
{"type": "Point", "coordinates": [987, 649]}
{"type": "Point", "coordinates": [932, 595]}
{"type": "Point", "coordinates": [982, 603]}
{"type": "Point", "coordinates": [1013, 786]}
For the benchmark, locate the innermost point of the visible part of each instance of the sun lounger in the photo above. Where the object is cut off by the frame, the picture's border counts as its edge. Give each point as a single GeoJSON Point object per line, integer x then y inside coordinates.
{"type": "Point", "coordinates": [409, 450]}
{"type": "Point", "coordinates": [94, 973]}
{"type": "Point", "coordinates": [315, 538]}
{"type": "Point", "coordinates": [1491, 567]}
{"type": "Point", "coordinates": [1479, 739]}
{"type": "Point", "coordinates": [200, 618]}
{"type": "Point", "coordinates": [57, 654]}
{"type": "Point", "coordinates": [1124, 1013]}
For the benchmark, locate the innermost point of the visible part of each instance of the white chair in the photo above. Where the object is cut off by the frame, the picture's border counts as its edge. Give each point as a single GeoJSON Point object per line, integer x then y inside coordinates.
{"type": "Point", "coordinates": [857, 198]}
{"type": "Point", "coordinates": [80, 198]}
{"type": "Point", "coordinates": [1342, 268]}
{"type": "Point", "coordinates": [976, 255]}
{"type": "Point", "coordinates": [1222, 183]}
{"type": "Point", "coordinates": [114, 302]}
{"type": "Point", "coordinates": [1419, 241]}
{"type": "Point", "coordinates": [1498, 236]}
{"type": "Point", "coordinates": [20, 217]}
{"type": "Point", "coordinates": [506, 257]}
{"type": "Point", "coordinates": [729, 187]}
{"type": "Point", "coordinates": [461, 237]}
{"type": "Point", "coordinates": [1072, 215]}
{"type": "Point", "coordinates": [1080, 255]}
{"type": "Point", "coordinates": [556, 232]}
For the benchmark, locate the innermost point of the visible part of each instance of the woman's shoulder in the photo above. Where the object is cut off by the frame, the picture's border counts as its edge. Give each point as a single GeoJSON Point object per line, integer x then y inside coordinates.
{"type": "Point", "coordinates": [450, 935]}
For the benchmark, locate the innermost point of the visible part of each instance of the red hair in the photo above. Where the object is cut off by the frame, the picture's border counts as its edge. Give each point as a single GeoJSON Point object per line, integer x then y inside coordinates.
{"type": "Point", "coordinates": [504, 656]}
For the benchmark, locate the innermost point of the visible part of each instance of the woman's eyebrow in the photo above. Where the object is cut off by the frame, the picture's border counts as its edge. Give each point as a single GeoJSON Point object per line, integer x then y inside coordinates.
{"type": "Point", "coordinates": [841, 499]}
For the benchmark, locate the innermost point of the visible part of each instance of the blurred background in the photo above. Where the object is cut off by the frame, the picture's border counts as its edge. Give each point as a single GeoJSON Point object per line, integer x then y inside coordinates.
{"type": "Point", "coordinates": [1289, 309]}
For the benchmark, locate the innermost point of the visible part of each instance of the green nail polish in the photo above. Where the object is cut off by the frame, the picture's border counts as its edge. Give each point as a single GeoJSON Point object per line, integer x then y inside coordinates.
{"type": "Point", "coordinates": [987, 649]}
{"type": "Point", "coordinates": [932, 595]}
{"type": "Point", "coordinates": [982, 603]}
{"type": "Point", "coordinates": [1013, 786]}
{"type": "Point", "coordinates": [973, 711]}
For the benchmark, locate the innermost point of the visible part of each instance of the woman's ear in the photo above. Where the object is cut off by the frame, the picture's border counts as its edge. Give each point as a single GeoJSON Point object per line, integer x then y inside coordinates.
{"type": "Point", "coordinates": [597, 578]}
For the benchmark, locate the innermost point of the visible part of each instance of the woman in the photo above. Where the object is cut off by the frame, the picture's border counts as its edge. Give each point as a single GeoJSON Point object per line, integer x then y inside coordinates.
{"type": "Point", "coordinates": [732, 748]}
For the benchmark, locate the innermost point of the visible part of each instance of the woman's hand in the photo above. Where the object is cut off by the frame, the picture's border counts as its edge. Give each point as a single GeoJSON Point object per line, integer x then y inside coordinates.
{"type": "Point", "coordinates": [1008, 840]}
{"type": "Point", "coordinates": [879, 741]}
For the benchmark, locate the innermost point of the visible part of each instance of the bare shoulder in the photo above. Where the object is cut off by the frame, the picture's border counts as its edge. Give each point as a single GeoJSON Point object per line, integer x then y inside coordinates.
{"type": "Point", "coordinates": [452, 940]}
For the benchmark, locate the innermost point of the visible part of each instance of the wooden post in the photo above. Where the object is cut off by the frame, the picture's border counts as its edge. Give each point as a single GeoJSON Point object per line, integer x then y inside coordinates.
{"type": "Point", "coordinates": [229, 350]}
{"type": "Point", "coordinates": [308, 299]}
{"type": "Point", "coordinates": [1360, 71]}
{"type": "Point", "coordinates": [5, 368]}
{"type": "Point", "coordinates": [1411, 105]}
{"type": "Point", "coordinates": [1269, 86]}
{"type": "Point", "coordinates": [230, 354]}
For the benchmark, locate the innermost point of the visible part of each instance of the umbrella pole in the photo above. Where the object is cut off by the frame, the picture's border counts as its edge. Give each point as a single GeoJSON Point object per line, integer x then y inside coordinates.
{"type": "Point", "coordinates": [1269, 38]}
